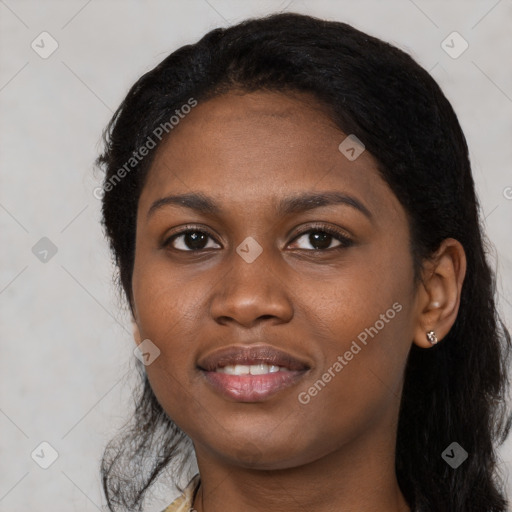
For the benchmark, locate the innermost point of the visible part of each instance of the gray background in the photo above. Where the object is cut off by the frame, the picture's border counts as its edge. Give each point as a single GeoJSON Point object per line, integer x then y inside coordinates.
{"type": "Point", "coordinates": [66, 360]}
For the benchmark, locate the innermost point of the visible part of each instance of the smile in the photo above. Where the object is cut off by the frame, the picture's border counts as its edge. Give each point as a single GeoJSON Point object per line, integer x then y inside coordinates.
{"type": "Point", "coordinates": [251, 373]}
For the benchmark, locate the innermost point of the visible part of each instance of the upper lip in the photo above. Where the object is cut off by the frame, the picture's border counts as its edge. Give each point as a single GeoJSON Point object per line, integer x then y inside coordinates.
{"type": "Point", "coordinates": [260, 354]}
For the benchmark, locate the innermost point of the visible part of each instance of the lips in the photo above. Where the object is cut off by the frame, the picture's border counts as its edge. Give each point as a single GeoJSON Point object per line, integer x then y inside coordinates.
{"type": "Point", "coordinates": [276, 371]}
{"type": "Point", "coordinates": [261, 354]}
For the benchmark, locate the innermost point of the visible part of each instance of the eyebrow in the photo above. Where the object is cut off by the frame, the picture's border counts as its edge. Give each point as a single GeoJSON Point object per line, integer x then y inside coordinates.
{"type": "Point", "coordinates": [288, 205]}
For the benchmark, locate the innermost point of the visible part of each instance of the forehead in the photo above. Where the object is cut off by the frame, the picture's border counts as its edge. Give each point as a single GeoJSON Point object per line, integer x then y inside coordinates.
{"type": "Point", "coordinates": [247, 147]}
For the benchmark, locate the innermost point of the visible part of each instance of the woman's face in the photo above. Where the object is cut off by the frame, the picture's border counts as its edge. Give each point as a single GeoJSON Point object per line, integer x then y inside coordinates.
{"type": "Point", "coordinates": [258, 269]}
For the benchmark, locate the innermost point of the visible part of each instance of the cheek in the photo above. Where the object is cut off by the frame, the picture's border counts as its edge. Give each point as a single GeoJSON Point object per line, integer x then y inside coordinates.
{"type": "Point", "coordinates": [354, 296]}
{"type": "Point", "coordinates": [361, 323]}
{"type": "Point", "coordinates": [169, 316]}
{"type": "Point", "coordinates": [163, 295]}
{"type": "Point", "coordinates": [358, 384]}
{"type": "Point", "coordinates": [167, 313]}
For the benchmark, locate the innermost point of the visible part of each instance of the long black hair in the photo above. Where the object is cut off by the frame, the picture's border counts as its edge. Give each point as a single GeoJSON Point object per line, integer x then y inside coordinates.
{"type": "Point", "coordinates": [455, 391]}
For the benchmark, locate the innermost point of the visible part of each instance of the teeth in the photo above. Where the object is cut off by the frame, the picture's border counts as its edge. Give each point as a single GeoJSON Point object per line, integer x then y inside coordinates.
{"type": "Point", "coordinates": [254, 369]}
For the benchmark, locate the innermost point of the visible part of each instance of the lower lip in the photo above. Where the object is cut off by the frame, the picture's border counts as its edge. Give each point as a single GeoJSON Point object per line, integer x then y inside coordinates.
{"type": "Point", "coordinates": [252, 388]}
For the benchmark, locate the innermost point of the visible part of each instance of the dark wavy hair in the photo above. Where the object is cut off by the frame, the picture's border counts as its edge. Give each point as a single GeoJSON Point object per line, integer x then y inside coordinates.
{"type": "Point", "coordinates": [454, 391]}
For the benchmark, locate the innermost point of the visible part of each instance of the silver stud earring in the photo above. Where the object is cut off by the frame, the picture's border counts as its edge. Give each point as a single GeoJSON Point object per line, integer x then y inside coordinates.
{"type": "Point", "coordinates": [431, 337]}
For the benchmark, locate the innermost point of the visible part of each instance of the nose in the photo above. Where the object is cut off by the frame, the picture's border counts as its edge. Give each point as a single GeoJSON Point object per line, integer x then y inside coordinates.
{"type": "Point", "coordinates": [250, 293]}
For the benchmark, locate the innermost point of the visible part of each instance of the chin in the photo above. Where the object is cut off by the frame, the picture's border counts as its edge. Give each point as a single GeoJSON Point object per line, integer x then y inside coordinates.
{"type": "Point", "coordinates": [253, 455]}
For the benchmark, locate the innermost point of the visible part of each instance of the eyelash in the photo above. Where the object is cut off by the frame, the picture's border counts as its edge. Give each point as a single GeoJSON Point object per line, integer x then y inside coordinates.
{"type": "Point", "coordinates": [344, 240]}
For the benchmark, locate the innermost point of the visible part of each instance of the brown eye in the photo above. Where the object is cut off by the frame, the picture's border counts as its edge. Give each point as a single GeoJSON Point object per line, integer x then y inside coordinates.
{"type": "Point", "coordinates": [322, 238]}
{"type": "Point", "coordinates": [190, 240]}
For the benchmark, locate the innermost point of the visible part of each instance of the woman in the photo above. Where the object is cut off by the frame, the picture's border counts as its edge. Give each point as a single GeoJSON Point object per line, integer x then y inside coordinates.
{"type": "Point", "coordinates": [292, 212]}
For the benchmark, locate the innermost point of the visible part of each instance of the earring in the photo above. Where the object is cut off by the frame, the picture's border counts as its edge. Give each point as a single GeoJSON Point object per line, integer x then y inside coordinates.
{"type": "Point", "coordinates": [431, 337]}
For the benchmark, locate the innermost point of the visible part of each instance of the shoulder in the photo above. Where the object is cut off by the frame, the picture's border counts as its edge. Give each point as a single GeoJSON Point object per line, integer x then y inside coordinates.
{"type": "Point", "coordinates": [184, 502]}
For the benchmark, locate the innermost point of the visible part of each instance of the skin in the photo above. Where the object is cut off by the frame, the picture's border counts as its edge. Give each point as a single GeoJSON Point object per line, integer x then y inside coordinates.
{"type": "Point", "coordinates": [337, 452]}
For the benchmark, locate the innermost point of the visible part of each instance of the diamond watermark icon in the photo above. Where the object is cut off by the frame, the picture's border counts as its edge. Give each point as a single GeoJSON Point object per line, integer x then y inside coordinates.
{"type": "Point", "coordinates": [44, 250]}
{"type": "Point", "coordinates": [44, 45]}
{"type": "Point", "coordinates": [249, 249]}
{"type": "Point", "coordinates": [454, 45]}
{"type": "Point", "coordinates": [44, 455]}
{"type": "Point", "coordinates": [351, 147]}
{"type": "Point", "coordinates": [454, 455]}
{"type": "Point", "coordinates": [146, 352]}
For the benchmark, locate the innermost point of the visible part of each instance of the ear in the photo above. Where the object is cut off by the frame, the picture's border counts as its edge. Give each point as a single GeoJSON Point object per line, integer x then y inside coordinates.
{"type": "Point", "coordinates": [439, 293]}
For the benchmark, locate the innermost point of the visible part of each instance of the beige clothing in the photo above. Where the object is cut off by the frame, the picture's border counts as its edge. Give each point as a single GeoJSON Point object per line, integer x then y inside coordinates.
{"type": "Point", "coordinates": [184, 502]}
